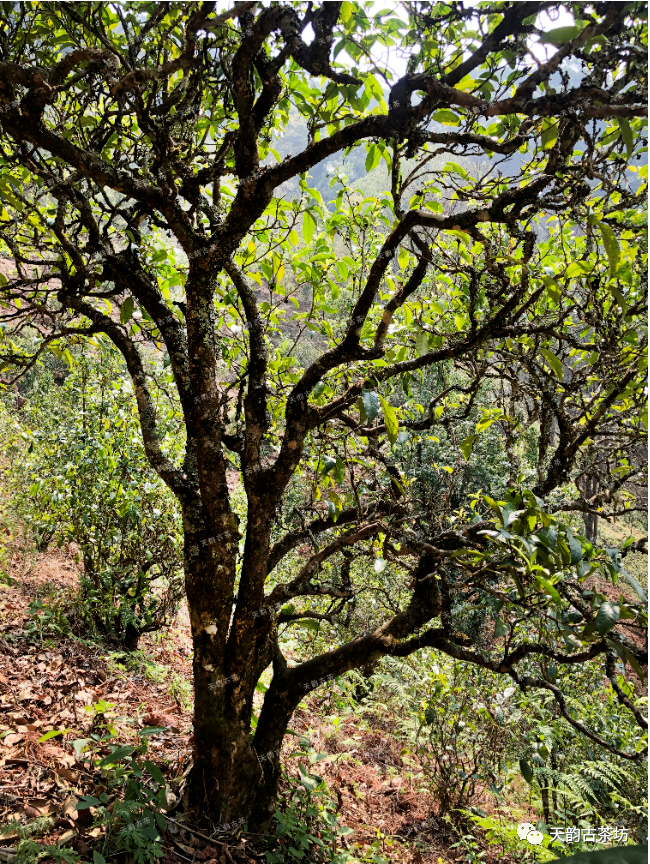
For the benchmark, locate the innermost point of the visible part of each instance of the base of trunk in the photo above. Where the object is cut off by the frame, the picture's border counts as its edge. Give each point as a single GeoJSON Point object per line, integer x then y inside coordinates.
{"type": "Point", "coordinates": [232, 785]}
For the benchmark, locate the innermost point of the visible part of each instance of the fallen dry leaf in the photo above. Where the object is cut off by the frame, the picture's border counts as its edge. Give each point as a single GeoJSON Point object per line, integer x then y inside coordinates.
{"type": "Point", "coordinates": [63, 823]}
{"type": "Point", "coordinates": [53, 751]}
{"type": "Point", "coordinates": [187, 849]}
{"type": "Point", "coordinates": [80, 845]}
{"type": "Point", "coordinates": [69, 807]}
{"type": "Point", "coordinates": [164, 720]}
{"type": "Point", "coordinates": [66, 774]}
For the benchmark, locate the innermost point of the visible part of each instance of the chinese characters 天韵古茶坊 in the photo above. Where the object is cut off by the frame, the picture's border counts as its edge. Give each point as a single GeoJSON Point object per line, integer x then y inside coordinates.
{"type": "Point", "coordinates": [217, 685]}
{"type": "Point", "coordinates": [311, 685]}
{"type": "Point", "coordinates": [212, 540]}
{"type": "Point", "coordinates": [604, 834]}
{"type": "Point", "coordinates": [269, 755]}
{"type": "Point", "coordinates": [266, 610]}
{"type": "Point", "coordinates": [229, 826]}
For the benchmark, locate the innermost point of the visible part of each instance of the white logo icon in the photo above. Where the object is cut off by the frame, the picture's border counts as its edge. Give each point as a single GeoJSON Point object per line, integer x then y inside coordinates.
{"type": "Point", "coordinates": [527, 831]}
{"type": "Point", "coordinates": [523, 830]}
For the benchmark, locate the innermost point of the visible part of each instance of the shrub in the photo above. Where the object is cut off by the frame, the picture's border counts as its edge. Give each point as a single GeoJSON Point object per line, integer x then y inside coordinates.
{"type": "Point", "coordinates": [461, 739]}
{"type": "Point", "coordinates": [83, 479]}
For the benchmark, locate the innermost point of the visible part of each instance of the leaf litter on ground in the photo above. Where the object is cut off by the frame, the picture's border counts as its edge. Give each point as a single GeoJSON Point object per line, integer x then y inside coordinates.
{"type": "Point", "coordinates": [52, 689]}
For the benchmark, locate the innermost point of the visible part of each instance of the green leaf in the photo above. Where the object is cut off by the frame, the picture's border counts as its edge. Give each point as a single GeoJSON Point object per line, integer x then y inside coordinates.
{"type": "Point", "coordinates": [347, 10]}
{"type": "Point", "coordinates": [615, 557]}
{"type": "Point", "coordinates": [308, 623]}
{"type": "Point", "coordinates": [86, 802]}
{"type": "Point", "coordinates": [155, 772]}
{"type": "Point", "coordinates": [455, 168]}
{"type": "Point", "coordinates": [447, 117]}
{"type": "Point", "coordinates": [328, 465]}
{"type": "Point", "coordinates": [80, 744]}
{"type": "Point", "coordinates": [126, 310]}
{"type": "Point", "coordinates": [634, 663]}
{"type": "Point", "coordinates": [552, 288]}
{"type": "Point", "coordinates": [52, 734]}
{"type": "Point", "coordinates": [571, 641]}
{"type": "Point", "coordinates": [553, 361]}
{"type": "Point", "coordinates": [370, 403]}
{"type": "Point", "coordinates": [422, 343]}
{"type": "Point", "coordinates": [575, 547]}
{"type": "Point", "coordinates": [607, 617]}
{"type": "Point", "coordinates": [526, 772]}
{"type": "Point", "coordinates": [548, 536]}
{"type": "Point", "coordinates": [467, 445]}
{"type": "Point", "coordinates": [390, 419]}
{"type": "Point", "coordinates": [549, 134]}
{"type": "Point", "coordinates": [560, 35]}
{"type": "Point", "coordinates": [626, 134]}
{"type": "Point", "coordinates": [308, 226]}
{"type": "Point", "coordinates": [549, 589]}
{"type": "Point", "coordinates": [150, 831]}
{"type": "Point", "coordinates": [639, 590]}
{"type": "Point", "coordinates": [309, 781]}
{"type": "Point", "coordinates": [485, 423]}
{"type": "Point", "coordinates": [613, 250]}
{"type": "Point", "coordinates": [335, 501]}
{"type": "Point", "coordinates": [500, 628]}
{"type": "Point", "coordinates": [373, 158]}
{"type": "Point", "coordinates": [98, 858]}
{"type": "Point", "coordinates": [494, 506]}
{"type": "Point", "coordinates": [116, 756]}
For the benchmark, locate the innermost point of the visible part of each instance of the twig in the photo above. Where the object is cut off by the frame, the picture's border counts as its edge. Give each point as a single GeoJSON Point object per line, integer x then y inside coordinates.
{"type": "Point", "coordinates": [72, 693]}
{"type": "Point", "coordinates": [177, 843]}
{"type": "Point", "coordinates": [178, 855]}
{"type": "Point", "coordinates": [193, 831]}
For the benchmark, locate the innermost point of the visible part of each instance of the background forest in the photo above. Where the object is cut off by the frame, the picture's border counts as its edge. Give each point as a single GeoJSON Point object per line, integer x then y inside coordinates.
{"type": "Point", "coordinates": [469, 450]}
